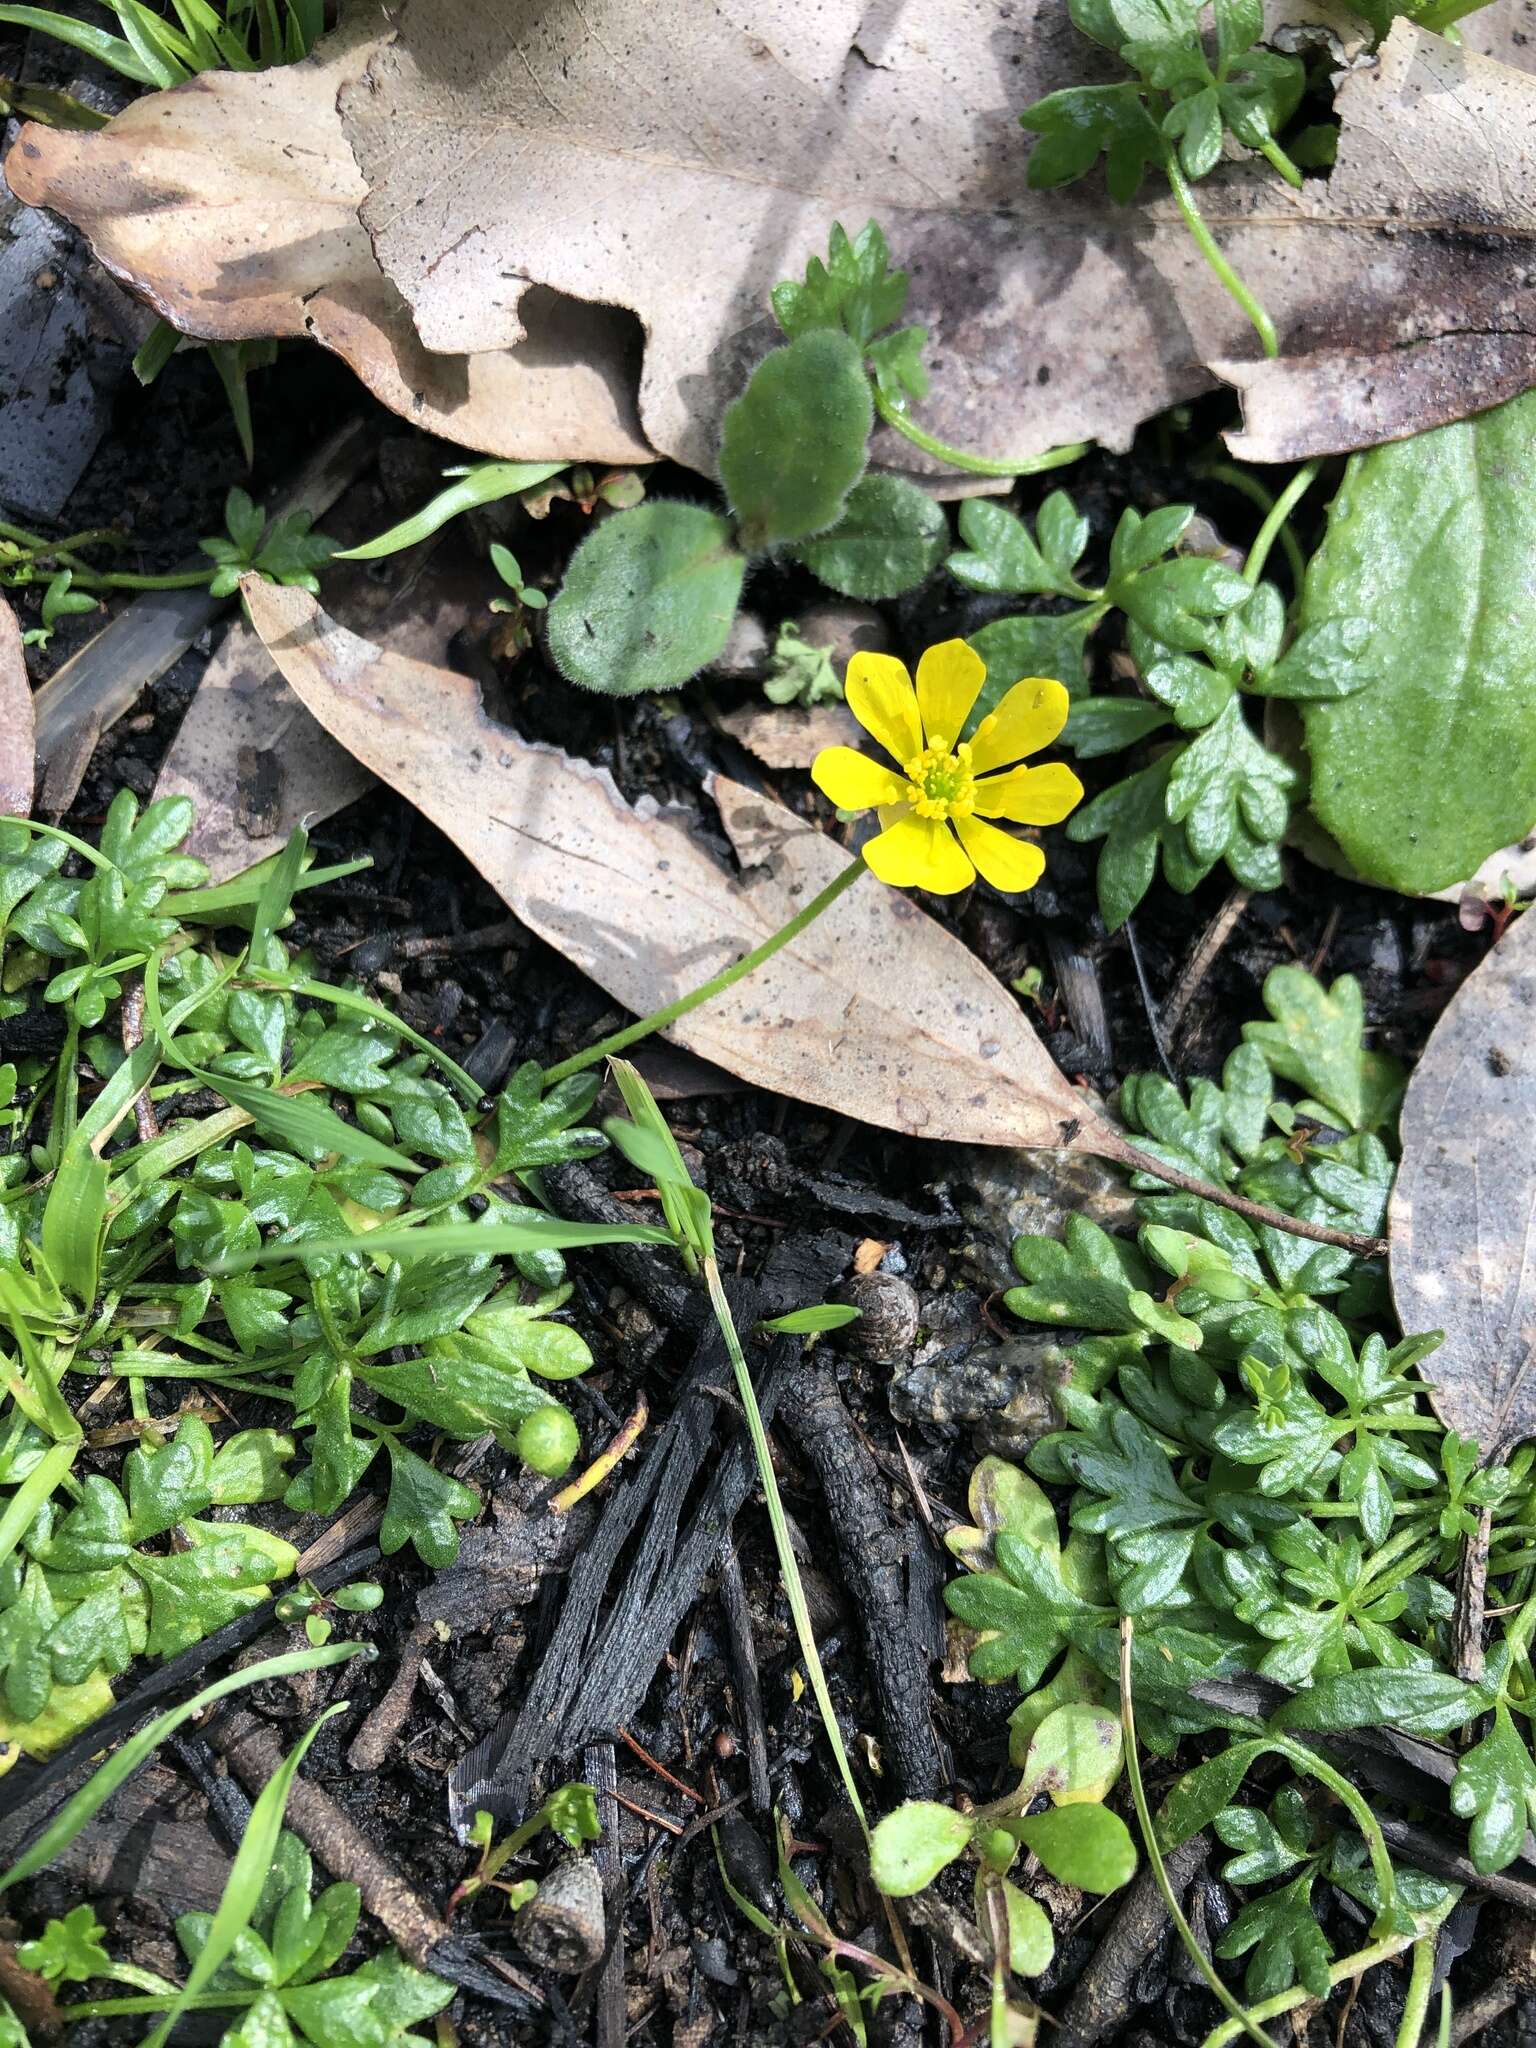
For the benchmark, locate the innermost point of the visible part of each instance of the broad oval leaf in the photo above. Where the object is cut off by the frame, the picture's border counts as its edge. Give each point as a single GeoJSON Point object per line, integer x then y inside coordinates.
{"type": "Point", "coordinates": [647, 600]}
{"type": "Point", "coordinates": [795, 443]}
{"type": "Point", "coordinates": [912, 1845]}
{"type": "Point", "coordinates": [1083, 1845]}
{"type": "Point", "coordinates": [1432, 768]}
{"type": "Point", "coordinates": [890, 537]}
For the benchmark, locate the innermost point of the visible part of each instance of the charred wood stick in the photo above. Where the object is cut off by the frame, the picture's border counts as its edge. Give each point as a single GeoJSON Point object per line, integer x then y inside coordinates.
{"type": "Point", "coordinates": [872, 1553]}
{"type": "Point", "coordinates": [598, 1666]}
{"type": "Point", "coordinates": [749, 1693]}
{"type": "Point", "coordinates": [1102, 1997]}
{"type": "Point", "coordinates": [576, 1192]}
{"type": "Point", "coordinates": [254, 1753]}
{"type": "Point", "coordinates": [31, 1793]}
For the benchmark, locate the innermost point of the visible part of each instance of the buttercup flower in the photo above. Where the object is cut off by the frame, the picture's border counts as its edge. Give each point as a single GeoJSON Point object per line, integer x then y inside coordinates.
{"type": "Point", "coordinates": [936, 803]}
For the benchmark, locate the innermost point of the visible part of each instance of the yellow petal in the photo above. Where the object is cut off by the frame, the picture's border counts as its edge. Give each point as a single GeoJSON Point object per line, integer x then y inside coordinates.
{"type": "Point", "coordinates": [853, 781]}
{"type": "Point", "coordinates": [881, 697]}
{"type": "Point", "coordinates": [1030, 796]}
{"type": "Point", "coordinates": [949, 680]}
{"type": "Point", "coordinates": [1027, 719]}
{"type": "Point", "coordinates": [920, 853]}
{"type": "Point", "coordinates": [1009, 864]}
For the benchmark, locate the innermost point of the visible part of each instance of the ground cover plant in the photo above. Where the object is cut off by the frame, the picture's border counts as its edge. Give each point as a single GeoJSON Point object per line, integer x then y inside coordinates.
{"type": "Point", "coordinates": [764, 1266]}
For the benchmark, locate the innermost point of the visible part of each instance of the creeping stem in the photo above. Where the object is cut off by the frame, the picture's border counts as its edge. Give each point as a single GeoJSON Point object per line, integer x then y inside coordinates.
{"type": "Point", "coordinates": [1205, 242]}
{"type": "Point", "coordinates": [961, 458]}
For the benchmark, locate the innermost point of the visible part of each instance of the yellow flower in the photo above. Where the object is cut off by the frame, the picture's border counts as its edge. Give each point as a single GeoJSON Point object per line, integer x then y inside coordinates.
{"type": "Point", "coordinates": [935, 809]}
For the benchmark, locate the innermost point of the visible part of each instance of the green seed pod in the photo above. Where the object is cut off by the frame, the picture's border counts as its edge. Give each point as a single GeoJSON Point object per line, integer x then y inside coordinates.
{"type": "Point", "coordinates": [548, 1441]}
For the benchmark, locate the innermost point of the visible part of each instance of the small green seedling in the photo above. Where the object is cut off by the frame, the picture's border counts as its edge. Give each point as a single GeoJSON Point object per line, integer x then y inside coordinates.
{"type": "Point", "coordinates": [569, 1812]}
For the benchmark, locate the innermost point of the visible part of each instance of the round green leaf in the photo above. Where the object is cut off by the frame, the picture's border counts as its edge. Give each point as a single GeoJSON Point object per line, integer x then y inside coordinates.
{"type": "Point", "coordinates": [890, 537]}
{"type": "Point", "coordinates": [1432, 767]}
{"type": "Point", "coordinates": [912, 1845]}
{"type": "Point", "coordinates": [795, 443]}
{"type": "Point", "coordinates": [1075, 1755]}
{"type": "Point", "coordinates": [647, 601]}
{"type": "Point", "coordinates": [1031, 1939]}
{"type": "Point", "coordinates": [1083, 1845]}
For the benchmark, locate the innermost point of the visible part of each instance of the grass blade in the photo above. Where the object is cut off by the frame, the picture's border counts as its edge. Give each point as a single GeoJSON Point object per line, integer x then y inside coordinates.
{"type": "Point", "coordinates": [117, 1770]}
{"type": "Point", "coordinates": [457, 1240]}
{"type": "Point", "coordinates": [485, 483]}
{"type": "Point", "coordinates": [242, 1888]}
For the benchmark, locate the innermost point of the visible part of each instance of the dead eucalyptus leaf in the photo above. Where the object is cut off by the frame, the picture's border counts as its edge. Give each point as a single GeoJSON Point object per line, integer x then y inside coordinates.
{"type": "Point", "coordinates": [876, 1011]}
{"type": "Point", "coordinates": [785, 736]}
{"type": "Point", "coordinates": [252, 759]}
{"type": "Point", "coordinates": [536, 175]}
{"type": "Point", "coordinates": [231, 204]}
{"type": "Point", "coordinates": [17, 744]}
{"type": "Point", "coordinates": [1463, 1215]}
{"type": "Point", "coordinates": [488, 129]}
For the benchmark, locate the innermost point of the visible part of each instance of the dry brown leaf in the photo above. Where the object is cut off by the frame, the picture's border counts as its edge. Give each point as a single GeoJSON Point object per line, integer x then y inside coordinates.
{"type": "Point", "coordinates": [877, 1011]}
{"type": "Point", "coordinates": [252, 759]}
{"type": "Point", "coordinates": [497, 152]}
{"type": "Point", "coordinates": [783, 736]}
{"type": "Point", "coordinates": [1463, 1216]}
{"type": "Point", "coordinates": [534, 173]}
{"type": "Point", "coordinates": [17, 752]}
{"type": "Point", "coordinates": [231, 204]}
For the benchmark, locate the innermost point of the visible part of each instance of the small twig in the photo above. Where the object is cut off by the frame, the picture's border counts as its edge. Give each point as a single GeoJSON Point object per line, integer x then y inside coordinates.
{"type": "Point", "coordinates": [1203, 959]}
{"type": "Point", "coordinates": [133, 1036]}
{"type": "Point", "coordinates": [604, 1463]}
{"type": "Point", "coordinates": [749, 1696]}
{"type": "Point", "coordinates": [1471, 1590]}
{"type": "Point", "coordinates": [1480, 2012]}
{"type": "Point", "coordinates": [376, 1738]}
{"type": "Point", "coordinates": [1154, 1025]}
{"type": "Point", "coordinates": [652, 1764]}
{"type": "Point", "coordinates": [612, 2015]}
{"type": "Point", "coordinates": [508, 933]}
{"type": "Point", "coordinates": [1124, 1153]}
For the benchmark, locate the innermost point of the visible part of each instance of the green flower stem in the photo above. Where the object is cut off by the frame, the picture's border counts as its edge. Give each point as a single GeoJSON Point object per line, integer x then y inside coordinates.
{"type": "Point", "coordinates": [960, 458]}
{"type": "Point", "coordinates": [1339, 1973]}
{"type": "Point", "coordinates": [1226, 276]}
{"type": "Point", "coordinates": [669, 1013]}
{"type": "Point", "coordinates": [1275, 525]}
{"type": "Point", "coordinates": [1421, 1978]}
{"type": "Point", "coordinates": [1249, 487]}
{"type": "Point", "coordinates": [789, 1570]}
{"type": "Point", "coordinates": [1271, 151]}
{"type": "Point", "coordinates": [1242, 2022]}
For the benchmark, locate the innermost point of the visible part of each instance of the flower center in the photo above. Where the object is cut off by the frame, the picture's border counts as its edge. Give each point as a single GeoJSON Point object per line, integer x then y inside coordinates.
{"type": "Point", "coordinates": [940, 784]}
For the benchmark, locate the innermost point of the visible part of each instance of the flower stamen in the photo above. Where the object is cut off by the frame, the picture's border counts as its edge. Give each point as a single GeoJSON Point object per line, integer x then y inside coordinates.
{"type": "Point", "coordinates": [940, 784]}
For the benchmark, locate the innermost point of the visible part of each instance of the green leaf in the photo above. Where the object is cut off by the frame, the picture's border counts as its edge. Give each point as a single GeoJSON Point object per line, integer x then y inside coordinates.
{"type": "Point", "coordinates": [648, 599]}
{"type": "Point", "coordinates": [1029, 646]}
{"type": "Point", "coordinates": [796, 441]}
{"type": "Point", "coordinates": [571, 1811]}
{"type": "Point", "coordinates": [1031, 1939]}
{"type": "Point", "coordinates": [1316, 1041]}
{"type": "Point", "coordinates": [800, 1322]}
{"type": "Point", "coordinates": [1227, 784]}
{"type": "Point", "coordinates": [1075, 1755]}
{"type": "Point", "coordinates": [1495, 1788]}
{"type": "Point", "coordinates": [912, 1845]}
{"type": "Point", "coordinates": [1083, 122]}
{"type": "Point", "coordinates": [1004, 557]}
{"type": "Point", "coordinates": [1423, 1702]}
{"type": "Point", "coordinates": [1131, 817]}
{"type": "Point", "coordinates": [1288, 1945]}
{"type": "Point", "coordinates": [1103, 725]}
{"type": "Point", "coordinates": [891, 536]}
{"type": "Point", "coordinates": [68, 1951]}
{"type": "Point", "coordinates": [1204, 1792]}
{"type": "Point", "coordinates": [855, 288]}
{"type": "Point", "coordinates": [422, 1508]}
{"type": "Point", "coordinates": [227, 1572]}
{"type": "Point", "coordinates": [1083, 1845]}
{"type": "Point", "coordinates": [486, 483]}
{"type": "Point", "coordinates": [1423, 775]}
{"type": "Point", "coordinates": [166, 1486]}
{"type": "Point", "coordinates": [1084, 1280]}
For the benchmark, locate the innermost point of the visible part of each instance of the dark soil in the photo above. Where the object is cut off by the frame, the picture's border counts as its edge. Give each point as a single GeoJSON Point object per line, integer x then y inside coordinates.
{"type": "Point", "coordinates": [783, 1176]}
